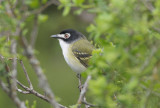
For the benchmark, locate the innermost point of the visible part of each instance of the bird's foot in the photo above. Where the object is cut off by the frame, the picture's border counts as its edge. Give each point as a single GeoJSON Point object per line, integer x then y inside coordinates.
{"type": "Point", "coordinates": [80, 87]}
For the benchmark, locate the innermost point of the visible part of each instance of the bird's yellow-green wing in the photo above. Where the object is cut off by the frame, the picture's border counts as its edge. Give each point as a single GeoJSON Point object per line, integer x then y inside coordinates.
{"type": "Point", "coordinates": [82, 50]}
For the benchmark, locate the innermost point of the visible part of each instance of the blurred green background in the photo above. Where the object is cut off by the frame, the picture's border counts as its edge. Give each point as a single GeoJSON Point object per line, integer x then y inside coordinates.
{"type": "Point", "coordinates": [62, 79]}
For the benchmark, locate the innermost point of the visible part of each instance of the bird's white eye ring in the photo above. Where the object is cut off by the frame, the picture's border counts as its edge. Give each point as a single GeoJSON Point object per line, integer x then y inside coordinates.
{"type": "Point", "coordinates": [67, 35]}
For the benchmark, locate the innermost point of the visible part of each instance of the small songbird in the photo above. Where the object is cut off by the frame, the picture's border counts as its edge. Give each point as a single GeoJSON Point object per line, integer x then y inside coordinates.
{"type": "Point", "coordinates": [77, 50]}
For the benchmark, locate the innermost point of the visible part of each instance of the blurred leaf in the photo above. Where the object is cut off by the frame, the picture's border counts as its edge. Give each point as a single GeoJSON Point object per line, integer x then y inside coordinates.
{"type": "Point", "coordinates": [34, 104]}
{"type": "Point", "coordinates": [66, 10]}
{"type": "Point", "coordinates": [27, 103]}
{"type": "Point", "coordinates": [78, 12]}
{"type": "Point", "coordinates": [33, 3]}
{"type": "Point", "coordinates": [73, 106]}
{"type": "Point", "coordinates": [78, 2]}
{"type": "Point", "coordinates": [42, 18]}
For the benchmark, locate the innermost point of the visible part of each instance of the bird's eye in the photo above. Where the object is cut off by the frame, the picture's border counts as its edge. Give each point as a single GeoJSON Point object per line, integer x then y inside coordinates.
{"type": "Point", "coordinates": [67, 35]}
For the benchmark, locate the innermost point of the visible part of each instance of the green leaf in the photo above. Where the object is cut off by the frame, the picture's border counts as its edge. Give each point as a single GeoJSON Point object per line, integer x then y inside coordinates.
{"type": "Point", "coordinates": [34, 104]}
{"type": "Point", "coordinates": [33, 3]}
{"type": "Point", "coordinates": [73, 106]}
{"type": "Point", "coordinates": [42, 18]}
{"type": "Point", "coordinates": [66, 10]}
{"type": "Point", "coordinates": [27, 103]}
{"type": "Point", "coordinates": [78, 12]}
{"type": "Point", "coordinates": [78, 2]}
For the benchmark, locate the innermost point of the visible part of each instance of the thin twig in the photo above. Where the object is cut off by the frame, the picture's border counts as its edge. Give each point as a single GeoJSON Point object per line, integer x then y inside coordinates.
{"type": "Point", "coordinates": [34, 31]}
{"type": "Point", "coordinates": [38, 70]}
{"type": "Point", "coordinates": [151, 8]}
{"type": "Point", "coordinates": [11, 90]}
{"type": "Point", "coordinates": [148, 5]}
{"type": "Point", "coordinates": [28, 90]}
{"type": "Point", "coordinates": [34, 92]}
{"type": "Point", "coordinates": [7, 70]}
{"type": "Point", "coordinates": [7, 78]}
{"type": "Point", "coordinates": [26, 74]}
{"type": "Point", "coordinates": [83, 91]}
{"type": "Point", "coordinates": [153, 92]}
{"type": "Point", "coordinates": [21, 91]}
{"type": "Point", "coordinates": [148, 59]}
{"type": "Point", "coordinates": [89, 104]}
{"type": "Point", "coordinates": [42, 8]}
{"type": "Point", "coordinates": [4, 87]}
{"type": "Point", "coordinates": [14, 96]}
{"type": "Point", "coordinates": [11, 8]}
{"type": "Point", "coordinates": [85, 102]}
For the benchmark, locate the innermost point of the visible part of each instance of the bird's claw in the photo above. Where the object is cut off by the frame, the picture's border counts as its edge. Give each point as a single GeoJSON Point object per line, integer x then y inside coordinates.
{"type": "Point", "coordinates": [80, 87]}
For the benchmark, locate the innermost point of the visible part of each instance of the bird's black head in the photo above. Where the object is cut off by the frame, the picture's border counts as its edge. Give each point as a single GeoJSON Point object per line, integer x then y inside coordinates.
{"type": "Point", "coordinates": [69, 35]}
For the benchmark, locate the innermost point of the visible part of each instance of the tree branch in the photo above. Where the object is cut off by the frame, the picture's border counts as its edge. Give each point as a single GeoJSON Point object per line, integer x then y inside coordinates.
{"type": "Point", "coordinates": [42, 8]}
{"type": "Point", "coordinates": [4, 87]}
{"type": "Point", "coordinates": [11, 90]}
{"type": "Point", "coordinates": [38, 70]}
{"type": "Point", "coordinates": [34, 31]}
{"type": "Point", "coordinates": [151, 8]}
{"type": "Point", "coordinates": [34, 92]}
{"type": "Point", "coordinates": [83, 91]}
{"type": "Point", "coordinates": [14, 96]}
{"type": "Point", "coordinates": [26, 74]}
{"type": "Point", "coordinates": [28, 90]}
{"type": "Point", "coordinates": [148, 59]}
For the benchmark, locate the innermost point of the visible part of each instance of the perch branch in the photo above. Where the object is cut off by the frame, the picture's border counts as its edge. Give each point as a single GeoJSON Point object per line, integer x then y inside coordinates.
{"type": "Point", "coordinates": [83, 91]}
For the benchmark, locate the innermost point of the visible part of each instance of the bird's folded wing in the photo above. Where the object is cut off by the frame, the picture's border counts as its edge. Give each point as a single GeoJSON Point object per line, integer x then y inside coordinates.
{"type": "Point", "coordinates": [82, 50]}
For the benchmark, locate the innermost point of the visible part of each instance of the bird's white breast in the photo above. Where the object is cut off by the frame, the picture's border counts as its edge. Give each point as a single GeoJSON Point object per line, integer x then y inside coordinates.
{"type": "Point", "coordinates": [71, 60]}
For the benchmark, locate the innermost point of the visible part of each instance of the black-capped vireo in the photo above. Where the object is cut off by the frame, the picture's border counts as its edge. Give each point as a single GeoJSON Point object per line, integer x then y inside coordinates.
{"type": "Point", "coordinates": [77, 50]}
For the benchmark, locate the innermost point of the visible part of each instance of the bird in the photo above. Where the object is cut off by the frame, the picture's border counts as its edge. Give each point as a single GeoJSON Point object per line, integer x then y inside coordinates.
{"type": "Point", "coordinates": [76, 49]}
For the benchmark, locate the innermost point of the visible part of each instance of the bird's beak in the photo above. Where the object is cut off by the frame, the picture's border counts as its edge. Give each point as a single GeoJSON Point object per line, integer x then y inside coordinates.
{"type": "Point", "coordinates": [58, 36]}
{"type": "Point", "coordinates": [54, 36]}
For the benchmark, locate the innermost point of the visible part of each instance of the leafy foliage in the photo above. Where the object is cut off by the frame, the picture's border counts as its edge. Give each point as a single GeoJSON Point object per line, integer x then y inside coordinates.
{"type": "Point", "coordinates": [127, 73]}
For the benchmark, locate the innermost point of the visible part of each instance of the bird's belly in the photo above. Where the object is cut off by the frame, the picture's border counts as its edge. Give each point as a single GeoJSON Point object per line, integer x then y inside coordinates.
{"type": "Point", "coordinates": [74, 64]}
{"type": "Point", "coordinates": [71, 60]}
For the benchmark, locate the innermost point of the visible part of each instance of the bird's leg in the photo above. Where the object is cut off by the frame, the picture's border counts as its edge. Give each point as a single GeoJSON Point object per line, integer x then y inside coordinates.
{"type": "Point", "coordinates": [80, 84]}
